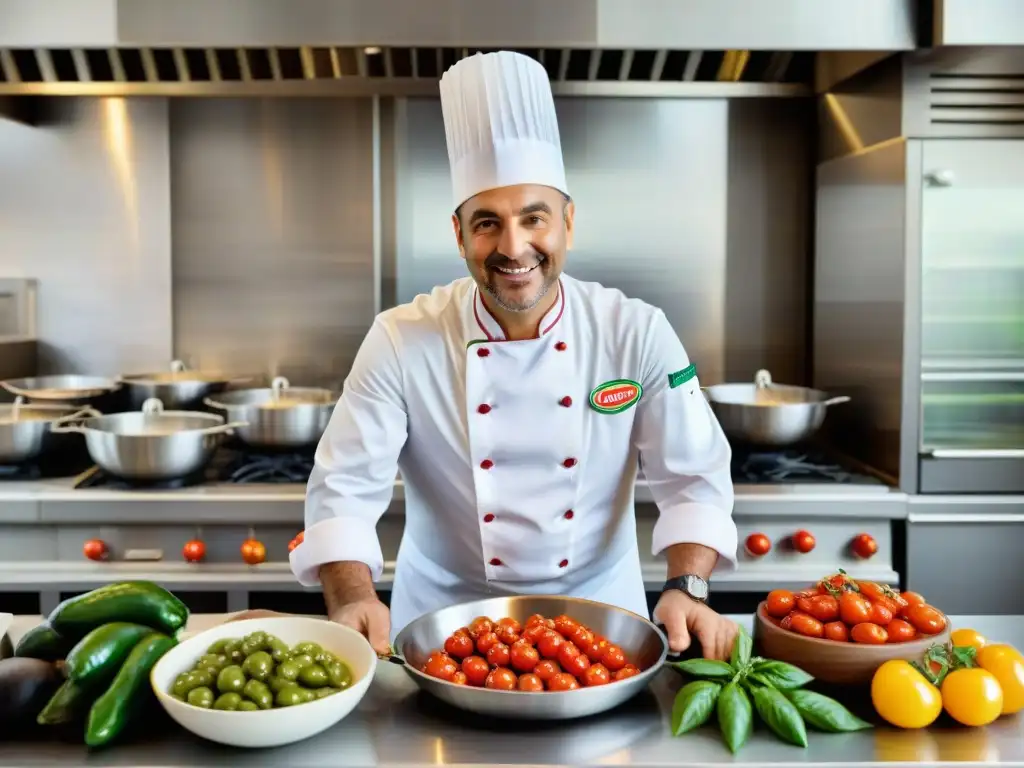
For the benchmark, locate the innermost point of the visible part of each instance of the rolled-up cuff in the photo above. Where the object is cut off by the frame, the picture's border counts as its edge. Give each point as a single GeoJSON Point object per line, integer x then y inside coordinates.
{"type": "Point", "coordinates": [697, 524]}
{"type": "Point", "coordinates": [334, 540]}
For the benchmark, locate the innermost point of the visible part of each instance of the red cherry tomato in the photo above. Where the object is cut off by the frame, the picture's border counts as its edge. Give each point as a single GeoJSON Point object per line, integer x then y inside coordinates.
{"type": "Point", "coordinates": [485, 641]}
{"type": "Point", "coordinates": [803, 541]}
{"type": "Point", "coordinates": [566, 653]}
{"type": "Point", "coordinates": [253, 551]}
{"type": "Point", "coordinates": [501, 679]}
{"type": "Point", "coordinates": [822, 607]}
{"type": "Point", "coordinates": [459, 646]}
{"type": "Point", "coordinates": [440, 665]}
{"type": "Point", "coordinates": [476, 670]}
{"type": "Point", "coordinates": [925, 619]}
{"type": "Point", "coordinates": [900, 631]}
{"type": "Point", "coordinates": [577, 665]}
{"type": "Point", "coordinates": [498, 655]}
{"type": "Point", "coordinates": [294, 543]}
{"type": "Point", "coordinates": [536, 618]}
{"type": "Point", "coordinates": [864, 546]}
{"type": "Point", "coordinates": [550, 644]}
{"type": "Point", "coordinates": [535, 632]}
{"type": "Point", "coordinates": [459, 678]}
{"type": "Point", "coordinates": [757, 545]}
{"type": "Point", "coordinates": [563, 681]}
{"type": "Point", "coordinates": [582, 637]}
{"type": "Point", "coordinates": [507, 634]}
{"type": "Point", "coordinates": [546, 669]}
{"type": "Point", "coordinates": [524, 658]}
{"type": "Point", "coordinates": [627, 671]}
{"type": "Point", "coordinates": [511, 623]}
{"type": "Point", "coordinates": [613, 658]}
{"type": "Point", "coordinates": [780, 602]}
{"type": "Point", "coordinates": [869, 634]}
{"type": "Point", "coordinates": [596, 674]}
{"type": "Point", "coordinates": [804, 624]}
{"type": "Point", "coordinates": [880, 614]}
{"type": "Point", "coordinates": [530, 683]}
{"type": "Point", "coordinates": [481, 625]}
{"type": "Point", "coordinates": [194, 551]}
{"type": "Point", "coordinates": [95, 549]}
{"type": "Point", "coordinates": [565, 626]}
{"type": "Point", "coordinates": [854, 608]}
{"type": "Point", "coordinates": [836, 630]}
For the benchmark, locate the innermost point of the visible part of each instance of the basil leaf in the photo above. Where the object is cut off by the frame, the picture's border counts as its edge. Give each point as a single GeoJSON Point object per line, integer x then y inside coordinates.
{"type": "Point", "coordinates": [741, 650]}
{"type": "Point", "coordinates": [735, 716]}
{"type": "Point", "coordinates": [781, 715]}
{"type": "Point", "coordinates": [781, 675]}
{"type": "Point", "coordinates": [707, 668]}
{"type": "Point", "coordinates": [693, 705]}
{"type": "Point", "coordinates": [824, 713]}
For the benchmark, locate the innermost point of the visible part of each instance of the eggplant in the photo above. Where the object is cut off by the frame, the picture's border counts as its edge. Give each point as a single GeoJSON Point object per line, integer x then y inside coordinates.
{"type": "Point", "coordinates": [26, 685]}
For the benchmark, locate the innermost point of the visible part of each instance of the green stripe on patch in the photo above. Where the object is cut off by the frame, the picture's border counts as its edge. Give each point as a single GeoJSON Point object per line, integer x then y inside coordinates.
{"type": "Point", "coordinates": [476, 341]}
{"type": "Point", "coordinates": [683, 376]}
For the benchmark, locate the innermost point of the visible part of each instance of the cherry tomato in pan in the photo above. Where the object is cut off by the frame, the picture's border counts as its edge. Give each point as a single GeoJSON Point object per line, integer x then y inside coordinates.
{"type": "Point", "coordinates": [869, 634]}
{"type": "Point", "coordinates": [596, 674]}
{"type": "Point", "coordinates": [459, 645]}
{"type": "Point", "coordinates": [501, 679]}
{"type": "Point", "coordinates": [530, 683]}
{"type": "Point", "coordinates": [524, 657]}
{"type": "Point", "coordinates": [546, 669]}
{"type": "Point", "coordinates": [498, 655]}
{"type": "Point", "coordinates": [836, 630]}
{"type": "Point", "coordinates": [476, 670]}
{"type": "Point", "coordinates": [563, 681]}
{"type": "Point", "coordinates": [780, 602]}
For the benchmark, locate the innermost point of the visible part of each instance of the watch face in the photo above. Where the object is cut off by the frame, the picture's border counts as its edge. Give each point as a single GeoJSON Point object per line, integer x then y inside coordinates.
{"type": "Point", "coordinates": [697, 587]}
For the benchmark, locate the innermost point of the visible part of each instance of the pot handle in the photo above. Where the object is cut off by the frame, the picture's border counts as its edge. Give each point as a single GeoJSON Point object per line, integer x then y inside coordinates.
{"type": "Point", "coordinates": [762, 379]}
{"type": "Point", "coordinates": [279, 383]}
{"type": "Point", "coordinates": [153, 405]}
{"type": "Point", "coordinates": [65, 424]}
{"type": "Point", "coordinates": [836, 400]}
{"type": "Point", "coordinates": [210, 402]}
{"type": "Point", "coordinates": [224, 427]}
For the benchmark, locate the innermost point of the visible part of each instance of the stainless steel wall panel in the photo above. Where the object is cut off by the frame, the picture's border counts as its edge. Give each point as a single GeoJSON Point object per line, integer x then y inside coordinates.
{"type": "Point", "coordinates": [970, 22]}
{"type": "Point", "coordinates": [859, 294]}
{"type": "Point", "coordinates": [85, 210]}
{"type": "Point", "coordinates": [770, 178]}
{"type": "Point", "coordinates": [273, 235]}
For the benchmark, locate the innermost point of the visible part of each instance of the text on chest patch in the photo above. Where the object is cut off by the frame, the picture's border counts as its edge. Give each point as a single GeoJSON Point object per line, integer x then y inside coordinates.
{"type": "Point", "coordinates": [615, 396]}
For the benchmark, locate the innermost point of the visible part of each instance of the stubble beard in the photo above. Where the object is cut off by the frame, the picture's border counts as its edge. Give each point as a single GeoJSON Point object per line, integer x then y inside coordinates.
{"type": "Point", "coordinates": [510, 305]}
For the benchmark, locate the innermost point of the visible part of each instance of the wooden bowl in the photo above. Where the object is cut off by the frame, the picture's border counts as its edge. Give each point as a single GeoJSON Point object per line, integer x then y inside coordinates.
{"type": "Point", "coordinates": [830, 661]}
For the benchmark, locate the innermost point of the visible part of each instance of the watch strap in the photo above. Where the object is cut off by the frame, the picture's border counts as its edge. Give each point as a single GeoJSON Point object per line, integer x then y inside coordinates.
{"type": "Point", "coordinates": [689, 584]}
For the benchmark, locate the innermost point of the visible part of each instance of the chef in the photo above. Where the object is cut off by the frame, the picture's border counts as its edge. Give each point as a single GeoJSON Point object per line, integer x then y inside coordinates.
{"type": "Point", "coordinates": [517, 404]}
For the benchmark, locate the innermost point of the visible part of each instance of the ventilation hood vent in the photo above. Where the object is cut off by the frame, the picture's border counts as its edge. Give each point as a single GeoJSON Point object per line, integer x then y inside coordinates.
{"type": "Point", "coordinates": [389, 71]}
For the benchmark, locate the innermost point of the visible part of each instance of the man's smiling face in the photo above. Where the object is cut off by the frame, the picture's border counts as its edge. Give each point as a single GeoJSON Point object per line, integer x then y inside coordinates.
{"type": "Point", "coordinates": [514, 240]}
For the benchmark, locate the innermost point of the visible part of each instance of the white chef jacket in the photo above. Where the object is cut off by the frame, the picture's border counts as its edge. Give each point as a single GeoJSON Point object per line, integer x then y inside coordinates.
{"type": "Point", "coordinates": [514, 482]}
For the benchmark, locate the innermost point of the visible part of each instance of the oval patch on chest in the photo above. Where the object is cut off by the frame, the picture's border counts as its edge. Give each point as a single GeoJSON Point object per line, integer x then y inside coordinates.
{"type": "Point", "coordinates": [615, 396]}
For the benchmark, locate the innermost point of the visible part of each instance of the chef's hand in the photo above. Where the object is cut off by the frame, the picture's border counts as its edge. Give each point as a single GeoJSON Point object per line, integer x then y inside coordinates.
{"type": "Point", "coordinates": [371, 618]}
{"type": "Point", "coordinates": [683, 617]}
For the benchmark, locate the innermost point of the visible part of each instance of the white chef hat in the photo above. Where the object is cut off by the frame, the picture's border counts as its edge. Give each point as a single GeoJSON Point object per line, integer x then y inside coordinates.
{"type": "Point", "coordinates": [500, 124]}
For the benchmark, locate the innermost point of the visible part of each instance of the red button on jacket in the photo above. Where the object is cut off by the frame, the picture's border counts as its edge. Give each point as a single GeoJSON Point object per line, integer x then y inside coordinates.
{"type": "Point", "coordinates": [483, 352]}
{"type": "Point", "coordinates": [565, 401]}
{"type": "Point", "coordinates": [488, 517]}
{"type": "Point", "coordinates": [568, 463]}
{"type": "Point", "coordinates": [495, 561]}
{"type": "Point", "coordinates": [483, 408]}
{"type": "Point", "coordinates": [563, 564]}
{"type": "Point", "coordinates": [569, 515]}
{"type": "Point", "coordinates": [486, 464]}
{"type": "Point", "coordinates": [560, 346]}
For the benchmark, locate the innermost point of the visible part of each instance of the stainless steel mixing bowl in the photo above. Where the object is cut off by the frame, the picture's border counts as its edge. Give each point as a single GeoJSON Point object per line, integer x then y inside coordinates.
{"type": "Point", "coordinates": [151, 444]}
{"type": "Point", "coordinates": [643, 643]}
{"type": "Point", "coordinates": [25, 432]}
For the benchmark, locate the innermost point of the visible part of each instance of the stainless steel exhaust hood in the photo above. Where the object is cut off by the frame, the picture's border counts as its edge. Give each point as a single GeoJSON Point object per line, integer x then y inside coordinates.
{"type": "Point", "coordinates": [768, 25]}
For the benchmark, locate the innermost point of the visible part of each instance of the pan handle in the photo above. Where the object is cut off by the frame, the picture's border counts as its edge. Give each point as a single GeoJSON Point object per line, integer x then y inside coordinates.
{"type": "Point", "coordinates": [224, 427]}
{"type": "Point", "coordinates": [836, 400]}
{"type": "Point", "coordinates": [209, 401]}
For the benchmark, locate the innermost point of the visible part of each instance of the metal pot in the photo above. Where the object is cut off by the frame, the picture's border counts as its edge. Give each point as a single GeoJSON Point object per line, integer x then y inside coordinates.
{"type": "Point", "coordinates": [769, 414]}
{"type": "Point", "coordinates": [25, 430]}
{"type": "Point", "coordinates": [151, 444]}
{"type": "Point", "coordinates": [280, 417]}
{"type": "Point", "coordinates": [63, 388]}
{"type": "Point", "coordinates": [639, 638]}
{"type": "Point", "coordinates": [177, 388]}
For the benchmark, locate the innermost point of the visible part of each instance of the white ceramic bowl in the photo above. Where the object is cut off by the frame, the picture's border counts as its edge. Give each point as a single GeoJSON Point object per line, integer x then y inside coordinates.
{"type": "Point", "coordinates": [269, 727]}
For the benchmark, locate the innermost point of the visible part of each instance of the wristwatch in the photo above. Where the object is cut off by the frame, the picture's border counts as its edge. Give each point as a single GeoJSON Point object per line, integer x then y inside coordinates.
{"type": "Point", "coordinates": [689, 584]}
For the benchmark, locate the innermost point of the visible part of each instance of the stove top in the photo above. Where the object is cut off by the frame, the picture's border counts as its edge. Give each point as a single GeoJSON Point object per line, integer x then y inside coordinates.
{"type": "Point", "coordinates": [803, 466]}
{"type": "Point", "coordinates": [55, 465]}
{"type": "Point", "coordinates": [227, 466]}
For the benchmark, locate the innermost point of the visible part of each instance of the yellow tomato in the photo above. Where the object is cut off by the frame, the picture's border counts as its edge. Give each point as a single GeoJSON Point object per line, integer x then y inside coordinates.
{"type": "Point", "coordinates": [963, 638]}
{"type": "Point", "coordinates": [972, 696]}
{"type": "Point", "coordinates": [1007, 664]}
{"type": "Point", "coordinates": [903, 696]}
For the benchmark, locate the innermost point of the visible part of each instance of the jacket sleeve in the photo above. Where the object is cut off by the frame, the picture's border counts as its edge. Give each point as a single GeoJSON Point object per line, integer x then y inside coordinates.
{"type": "Point", "coordinates": [356, 464]}
{"type": "Point", "coordinates": [684, 454]}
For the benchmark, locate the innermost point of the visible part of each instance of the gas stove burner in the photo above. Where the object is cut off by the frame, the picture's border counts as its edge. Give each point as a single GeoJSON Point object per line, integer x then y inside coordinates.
{"type": "Point", "coordinates": [274, 468]}
{"type": "Point", "coordinates": [790, 466]}
{"type": "Point", "coordinates": [98, 478]}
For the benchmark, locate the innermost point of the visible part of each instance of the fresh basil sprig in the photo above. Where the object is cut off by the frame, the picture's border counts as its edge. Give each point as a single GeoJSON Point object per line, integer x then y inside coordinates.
{"type": "Point", "coordinates": [776, 688]}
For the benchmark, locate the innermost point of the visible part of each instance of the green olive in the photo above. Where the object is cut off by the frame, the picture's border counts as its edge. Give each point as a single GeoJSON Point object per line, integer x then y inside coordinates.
{"type": "Point", "coordinates": [278, 649]}
{"type": "Point", "coordinates": [227, 701]}
{"type": "Point", "coordinates": [200, 697]}
{"type": "Point", "coordinates": [289, 671]}
{"type": "Point", "coordinates": [217, 648]}
{"type": "Point", "coordinates": [276, 683]}
{"type": "Point", "coordinates": [201, 677]}
{"type": "Point", "coordinates": [308, 694]}
{"type": "Point", "coordinates": [259, 665]}
{"type": "Point", "coordinates": [176, 696]}
{"type": "Point", "coordinates": [247, 706]}
{"type": "Point", "coordinates": [313, 676]}
{"type": "Point", "coordinates": [302, 660]}
{"type": "Point", "coordinates": [182, 684]}
{"type": "Point", "coordinates": [325, 657]}
{"type": "Point", "coordinates": [338, 675]}
{"type": "Point", "coordinates": [231, 679]}
{"type": "Point", "coordinates": [312, 649]}
{"type": "Point", "coordinates": [259, 694]}
{"type": "Point", "coordinates": [289, 696]}
{"type": "Point", "coordinates": [259, 638]}
{"type": "Point", "coordinates": [323, 692]}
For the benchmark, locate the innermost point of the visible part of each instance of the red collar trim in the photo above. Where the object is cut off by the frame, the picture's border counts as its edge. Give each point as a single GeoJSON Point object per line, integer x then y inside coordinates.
{"type": "Point", "coordinates": [555, 314]}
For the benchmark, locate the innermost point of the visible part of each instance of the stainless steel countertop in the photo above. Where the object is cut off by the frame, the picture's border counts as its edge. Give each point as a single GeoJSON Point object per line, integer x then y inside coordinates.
{"type": "Point", "coordinates": [396, 725]}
